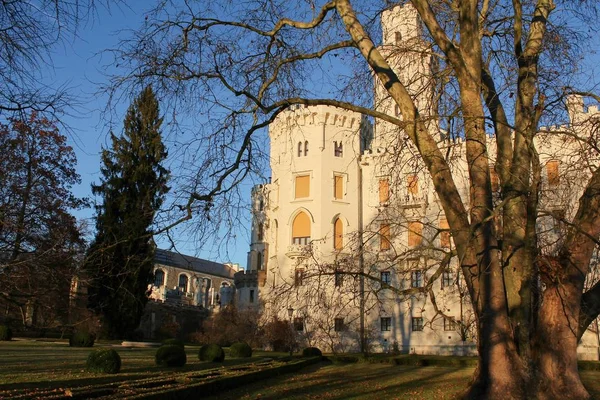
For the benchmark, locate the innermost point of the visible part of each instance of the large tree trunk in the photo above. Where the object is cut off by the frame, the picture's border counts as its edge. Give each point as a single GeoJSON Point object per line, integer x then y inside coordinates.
{"type": "Point", "coordinates": [556, 375]}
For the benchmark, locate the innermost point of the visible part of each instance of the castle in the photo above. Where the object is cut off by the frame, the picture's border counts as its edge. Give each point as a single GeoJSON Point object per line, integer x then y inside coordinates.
{"type": "Point", "coordinates": [349, 241]}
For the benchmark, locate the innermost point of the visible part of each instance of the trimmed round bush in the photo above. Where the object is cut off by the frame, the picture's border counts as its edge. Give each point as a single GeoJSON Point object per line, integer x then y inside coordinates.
{"type": "Point", "coordinates": [212, 353]}
{"type": "Point", "coordinates": [82, 339]}
{"type": "Point", "coordinates": [311, 352]}
{"type": "Point", "coordinates": [175, 342]}
{"type": "Point", "coordinates": [105, 361]}
{"type": "Point", "coordinates": [240, 349]}
{"type": "Point", "coordinates": [171, 355]}
{"type": "Point", "coordinates": [5, 333]}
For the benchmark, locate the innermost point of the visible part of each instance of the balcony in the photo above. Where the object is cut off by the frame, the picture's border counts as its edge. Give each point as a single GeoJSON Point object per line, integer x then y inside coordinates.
{"type": "Point", "coordinates": [298, 251]}
{"type": "Point", "coordinates": [412, 200]}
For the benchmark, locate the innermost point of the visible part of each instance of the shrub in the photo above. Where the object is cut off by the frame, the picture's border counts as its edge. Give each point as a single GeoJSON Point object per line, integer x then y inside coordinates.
{"type": "Point", "coordinates": [311, 352]}
{"type": "Point", "coordinates": [105, 361]}
{"type": "Point", "coordinates": [175, 342]}
{"type": "Point", "coordinates": [5, 333]}
{"type": "Point", "coordinates": [82, 339]}
{"type": "Point", "coordinates": [212, 353]}
{"type": "Point", "coordinates": [171, 355]}
{"type": "Point", "coordinates": [240, 349]}
{"type": "Point", "coordinates": [167, 330]}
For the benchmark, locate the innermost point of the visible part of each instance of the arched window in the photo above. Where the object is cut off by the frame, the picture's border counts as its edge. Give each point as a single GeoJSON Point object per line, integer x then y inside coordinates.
{"type": "Point", "coordinates": [183, 283]}
{"type": "Point", "coordinates": [398, 37]}
{"type": "Point", "coordinates": [301, 229]}
{"type": "Point", "coordinates": [159, 278]}
{"type": "Point", "coordinates": [305, 148]}
{"type": "Point", "coordinates": [260, 233]}
{"type": "Point", "coordinates": [299, 149]}
{"type": "Point", "coordinates": [259, 261]}
{"type": "Point", "coordinates": [338, 234]}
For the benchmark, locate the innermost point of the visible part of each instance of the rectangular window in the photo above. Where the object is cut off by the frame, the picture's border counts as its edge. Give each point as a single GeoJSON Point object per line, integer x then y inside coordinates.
{"type": "Point", "coordinates": [447, 279]}
{"type": "Point", "coordinates": [301, 240]}
{"type": "Point", "coordinates": [260, 232]}
{"type": "Point", "coordinates": [449, 324]}
{"type": "Point", "coordinates": [299, 277]}
{"type": "Point", "coordinates": [338, 187]}
{"type": "Point", "coordinates": [338, 149]}
{"type": "Point", "coordinates": [444, 234]}
{"type": "Point", "coordinates": [386, 324]}
{"type": "Point", "coordinates": [339, 278]}
{"type": "Point", "coordinates": [412, 184]}
{"type": "Point", "coordinates": [417, 324]}
{"type": "Point", "coordinates": [385, 277]}
{"type": "Point", "coordinates": [251, 296]}
{"type": "Point", "coordinates": [339, 325]}
{"type": "Point", "coordinates": [302, 186]}
{"type": "Point", "coordinates": [415, 233]}
{"type": "Point", "coordinates": [299, 324]}
{"type": "Point", "coordinates": [416, 279]}
{"type": "Point", "coordinates": [384, 237]}
{"type": "Point", "coordinates": [552, 171]}
{"type": "Point", "coordinates": [384, 191]}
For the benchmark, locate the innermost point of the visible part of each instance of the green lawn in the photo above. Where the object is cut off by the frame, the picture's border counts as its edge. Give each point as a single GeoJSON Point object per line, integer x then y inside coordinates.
{"type": "Point", "coordinates": [40, 365]}
{"type": "Point", "coordinates": [371, 381]}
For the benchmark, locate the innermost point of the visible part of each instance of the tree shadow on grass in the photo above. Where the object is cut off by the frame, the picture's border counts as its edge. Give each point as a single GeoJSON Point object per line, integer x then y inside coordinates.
{"type": "Point", "coordinates": [355, 381]}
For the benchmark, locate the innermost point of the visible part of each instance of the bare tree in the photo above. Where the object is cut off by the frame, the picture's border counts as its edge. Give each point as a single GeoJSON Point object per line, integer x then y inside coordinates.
{"type": "Point", "coordinates": [503, 66]}
{"type": "Point", "coordinates": [29, 32]}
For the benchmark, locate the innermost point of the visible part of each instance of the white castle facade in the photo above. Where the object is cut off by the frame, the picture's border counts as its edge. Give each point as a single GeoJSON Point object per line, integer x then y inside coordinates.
{"type": "Point", "coordinates": [349, 239]}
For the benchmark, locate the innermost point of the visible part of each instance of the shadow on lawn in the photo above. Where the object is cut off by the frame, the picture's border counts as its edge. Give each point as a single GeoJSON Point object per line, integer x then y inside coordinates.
{"type": "Point", "coordinates": [352, 381]}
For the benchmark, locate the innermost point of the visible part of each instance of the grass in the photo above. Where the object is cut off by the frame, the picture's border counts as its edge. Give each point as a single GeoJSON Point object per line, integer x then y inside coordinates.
{"type": "Point", "coordinates": [371, 381]}
{"type": "Point", "coordinates": [45, 365]}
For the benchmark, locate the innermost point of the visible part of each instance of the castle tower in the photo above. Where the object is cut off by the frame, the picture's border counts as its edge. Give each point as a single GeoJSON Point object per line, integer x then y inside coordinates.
{"type": "Point", "coordinates": [311, 207]}
{"type": "Point", "coordinates": [405, 49]}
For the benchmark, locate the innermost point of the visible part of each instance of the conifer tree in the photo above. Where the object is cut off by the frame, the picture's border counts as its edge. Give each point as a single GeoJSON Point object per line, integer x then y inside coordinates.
{"type": "Point", "coordinates": [132, 187]}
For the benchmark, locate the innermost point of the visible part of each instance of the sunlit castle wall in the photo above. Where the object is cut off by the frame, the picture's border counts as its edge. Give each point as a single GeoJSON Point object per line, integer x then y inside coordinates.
{"type": "Point", "coordinates": [313, 190]}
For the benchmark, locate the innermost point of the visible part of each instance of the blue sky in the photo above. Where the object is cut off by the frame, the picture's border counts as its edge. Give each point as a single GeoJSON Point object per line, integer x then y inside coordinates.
{"type": "Point", "coordinates": [80, 64]}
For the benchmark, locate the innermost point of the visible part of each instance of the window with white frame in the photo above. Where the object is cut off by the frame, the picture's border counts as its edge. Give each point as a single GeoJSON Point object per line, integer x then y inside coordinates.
{"type": "Point", "coordinates": [183, 283]}
{"type": "Point", "coordinates": [159, 278]}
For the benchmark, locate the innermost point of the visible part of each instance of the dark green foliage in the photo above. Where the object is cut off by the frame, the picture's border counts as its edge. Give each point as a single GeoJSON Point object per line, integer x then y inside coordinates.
{"type": "Point", "coordinates": [106, 361]}
{"type": "Point", "coordinates": [171, 355]}
{"type": "Point", "coordinates": [40, 240]}
{"type": "Point", "coordinates": [175, 342]}
{"type": "Point", "coordinates": [5, 333]}
{"type": "Point", "coordinates": [82, 339]}
{"type": "Point", "coordinates": [240, 349]}
{"type": "Point", "coordinates": [211, 353]}
{"type": "Point", "coordinates": [311, 352]}
{"type": "Point", "coordinates": [133, 183]}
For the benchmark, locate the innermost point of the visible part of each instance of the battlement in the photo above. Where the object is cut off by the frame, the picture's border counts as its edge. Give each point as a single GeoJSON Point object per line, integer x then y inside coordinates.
{"type": "Point", "coordinates": [250, 279]}
{"type": "Point", "coordinates": [321, 115]}
{"type": "Point", "coordinates": [577, 110]}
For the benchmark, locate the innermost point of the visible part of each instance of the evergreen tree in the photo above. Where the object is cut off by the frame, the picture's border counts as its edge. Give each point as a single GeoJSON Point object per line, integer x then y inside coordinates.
{"type": "Point", "coordinates": [133, 185]}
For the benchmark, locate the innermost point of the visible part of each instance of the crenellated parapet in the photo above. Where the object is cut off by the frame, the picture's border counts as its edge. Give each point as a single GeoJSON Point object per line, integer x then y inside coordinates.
{"type": "Point", "coordinates": [322, 115]}
{"type": "Point", "coordinates": [578, 112]}
{"type": "Point", "coordinates": [249, 279]}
